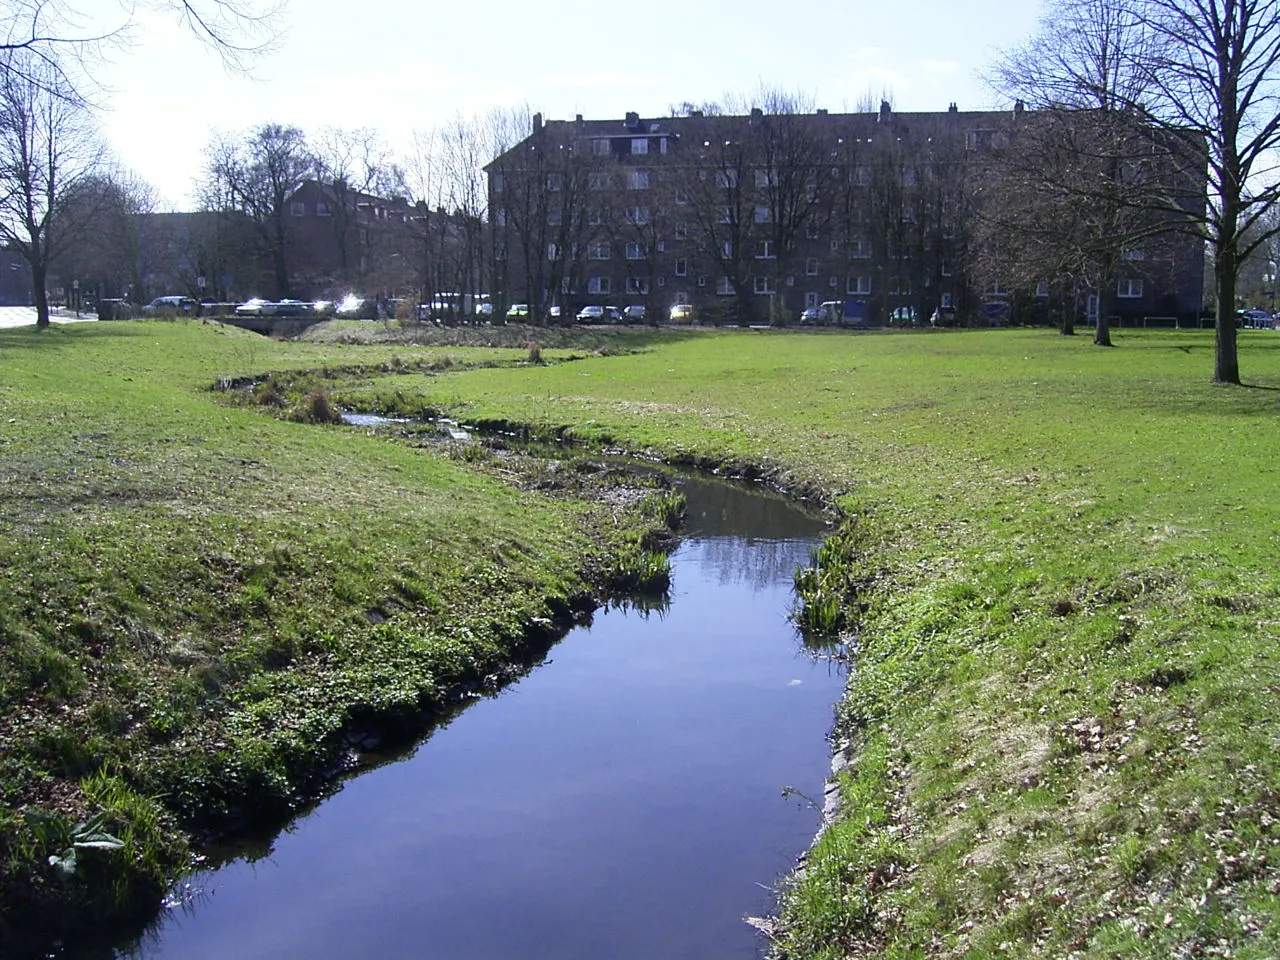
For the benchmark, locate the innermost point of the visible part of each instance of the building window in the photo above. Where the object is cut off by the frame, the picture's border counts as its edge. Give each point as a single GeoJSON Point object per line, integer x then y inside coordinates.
{"type": "Point", "coordinates": [682, 267]}
{"type": "Point", "coordinates": [499, 182]}
{"type": "Point", "coordinates": [322, 209]}
{"type": "Point", "coordinates": [763, 214]}
{"type": "Point", "coordinates": [600, 147]}
{"type": "Point", "coordinates": [859, 249]}
{"type": "Point", "coordinates": [764, 284]}
{"type": "Point", "coordinates": [637, 284]}
{"type": "Point", "coordinates": [597, 284]}
{"type": "Point", "coordinates": [726, 178]}
{"type": "Point", "coordinates": [724, 287]}
{"type": "Point", "coordinates": [766, 177]}
{"type": "Point", "coordinates": [726, 215]}
{"type": "Point", "coordinates": [640, 145]}
{"type": "Point", "coordinates": [554, 251]}
{"type": "Point", "coordinates": [944, 268]}
{"type": "Point", "coordinates": [858, 285]}
{"type": "Point", "coordinates": [1130, 289]}
{"type": "Point", "coordinates": [835, 244]}
{"type": "Point", "coordinates": [298, 209]}
{"type": "Point", "coordinates": [702, 281]}
{"type": "Point", "coordinates": [811, 267]}
{"type": "Point", "coordinates": [811, 299]}
{"type": "Point", "coordinates": [598, 251]}
{"type": "Point", "coordinates": [555, 181]}
{"type": "Point", "coordinates": [765, 250]}
{"type": "Point", "coordinates": [726, 249]}
{"type": "Point", "coordinates": [900, 286]}
{"type": "Point", "coordinates": [638, 216]}
{"type": "Point", "coordinates": [595, 218]}
{"type": "Point", "coordinates": [681, 197]}
{"type": "Point", "coordinates": [947, 301]}
{"type": "Point", "coordinates": [996, 288]}
{"type": "Point", "coordinates": [1134, 255]}
{"type": "Point", "coordinates": [500, 217]}
{"type": "Point", "coordinates": [554, 217]}
{"type": "Point", "coordinates": [636, 251]}
{"type": "Point", "coordinates": [861, 176]}
{"type": "Point", "coordinates": [681, 231]}
{"type": "Point", "coordinates": [1042, 289]}
{"type": "Point", "coordinates": [637, 179]}
{"type": "Point", "coordinates": [598, 181]}
{"type": "Point", "coordinates": [662, 280]}
{"type": "Point", "coordinates": [500, 252]}
{"type": "Point", "coordinates": [811, 231]}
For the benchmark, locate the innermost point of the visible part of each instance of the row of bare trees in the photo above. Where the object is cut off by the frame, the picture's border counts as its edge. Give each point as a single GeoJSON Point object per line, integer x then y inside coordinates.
{"type": "Point", "coordinates": [1203, 74]}
{"type": "Point", "coordinates": [61, 196]}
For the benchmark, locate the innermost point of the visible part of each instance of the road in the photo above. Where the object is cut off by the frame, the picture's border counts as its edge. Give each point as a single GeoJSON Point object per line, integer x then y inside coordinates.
{"type": "Point", "coordinates": [26, 316]}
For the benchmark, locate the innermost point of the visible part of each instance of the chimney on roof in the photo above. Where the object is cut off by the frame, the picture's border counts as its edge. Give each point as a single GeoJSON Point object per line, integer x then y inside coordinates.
{"type": "Point", "coordinates": [953, 109]}
{"type": "Point", "coordinates": [886, 111]}
{"type": "Point", "coordinates": [1018, 107]}
{"type": "Point", "coordinates": [537, 122]}
{"type": "Point", "coordinates": [695, 113]}
{"type": "Point", "coordinates": [756, 113]}
{"type": "Point", "coordinates": [822, 111]}
{"type": "Point", "coordinates": [578, 118]}
{"type": "Point", "coordinates": [632, 121]}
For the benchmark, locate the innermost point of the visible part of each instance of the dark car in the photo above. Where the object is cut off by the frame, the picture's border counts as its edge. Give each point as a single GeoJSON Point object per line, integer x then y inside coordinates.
{"type": "Point", "coordinates": [1258, 319]}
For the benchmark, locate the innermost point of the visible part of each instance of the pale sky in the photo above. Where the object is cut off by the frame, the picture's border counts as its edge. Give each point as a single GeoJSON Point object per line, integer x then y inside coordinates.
{"type": "Point", "coordinates": [400, 66]}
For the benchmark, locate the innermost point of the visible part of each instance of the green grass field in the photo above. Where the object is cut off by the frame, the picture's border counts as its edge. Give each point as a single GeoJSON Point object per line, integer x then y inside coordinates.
{"type": "Point", "coordinates": [1062, 564]}
{"type": "Point", "coordinates": [1059, 562]}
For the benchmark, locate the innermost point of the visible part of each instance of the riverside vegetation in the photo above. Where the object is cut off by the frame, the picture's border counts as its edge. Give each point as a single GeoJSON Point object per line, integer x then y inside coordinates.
{"type": "Point", "coordinates": [1058, 563]}
{"type": "Point", "coordinates": [211, 598]}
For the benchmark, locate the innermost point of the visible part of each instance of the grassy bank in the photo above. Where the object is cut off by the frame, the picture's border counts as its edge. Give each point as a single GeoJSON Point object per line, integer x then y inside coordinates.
{"type": "Point", "coordinates": [1061, 562]}
{"type": "Point", "coordinates": [208, 598]}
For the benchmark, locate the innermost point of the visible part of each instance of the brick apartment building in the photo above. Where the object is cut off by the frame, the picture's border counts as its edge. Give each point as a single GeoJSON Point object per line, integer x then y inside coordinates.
{"type": "Point", "coordinates": [753, 218]}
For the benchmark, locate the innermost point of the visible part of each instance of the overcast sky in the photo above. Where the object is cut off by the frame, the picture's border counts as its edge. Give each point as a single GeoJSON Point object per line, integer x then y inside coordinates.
{"type": "Point", "coordinates": [404, 65]}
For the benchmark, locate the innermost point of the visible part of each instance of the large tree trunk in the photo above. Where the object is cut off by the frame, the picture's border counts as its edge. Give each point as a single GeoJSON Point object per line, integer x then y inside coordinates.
{"type": "Point", "coordinates": [1226, 365]}
{"type": "Point", "coordinates": [38, 281]}
{"type": "Point", "coordinates": [1102, 332]}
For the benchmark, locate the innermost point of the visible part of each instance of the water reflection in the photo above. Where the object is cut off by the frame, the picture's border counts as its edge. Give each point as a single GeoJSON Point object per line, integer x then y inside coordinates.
{"type": "Point", "coordinates": [623, 800]}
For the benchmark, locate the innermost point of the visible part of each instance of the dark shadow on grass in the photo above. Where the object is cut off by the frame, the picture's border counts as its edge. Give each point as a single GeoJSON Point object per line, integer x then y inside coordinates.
{"type": "Point", "coordinates": [60, 334]}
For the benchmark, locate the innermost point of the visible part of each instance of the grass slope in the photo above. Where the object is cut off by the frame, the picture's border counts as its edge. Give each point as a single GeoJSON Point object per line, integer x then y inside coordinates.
{"type": "Point", "coordinates": [199, 597]}
{"type": "Point", "coordinates": [1062, 560]}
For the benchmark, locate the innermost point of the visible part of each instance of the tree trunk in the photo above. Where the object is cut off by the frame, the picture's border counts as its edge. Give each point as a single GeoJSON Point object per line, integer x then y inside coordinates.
{"type": "Point", "coordinates": [1226, 365]}
{"type": "Point", "coordinates": [38, 280]}
{"type": "Point", "coordinates": [1102, 333]}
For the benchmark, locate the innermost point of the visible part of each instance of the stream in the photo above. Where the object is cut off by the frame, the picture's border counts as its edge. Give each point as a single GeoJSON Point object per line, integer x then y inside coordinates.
{"type": "Point", "coordinates": [622, 800]}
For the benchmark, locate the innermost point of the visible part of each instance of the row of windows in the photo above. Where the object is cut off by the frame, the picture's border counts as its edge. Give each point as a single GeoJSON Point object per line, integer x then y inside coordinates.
{"type": "Point", "coordinates": [853, 286]}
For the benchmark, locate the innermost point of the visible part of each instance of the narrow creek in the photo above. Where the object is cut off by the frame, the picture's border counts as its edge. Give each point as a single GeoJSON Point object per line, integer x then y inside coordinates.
{"type": "Point", "coordinates": [623, 800]}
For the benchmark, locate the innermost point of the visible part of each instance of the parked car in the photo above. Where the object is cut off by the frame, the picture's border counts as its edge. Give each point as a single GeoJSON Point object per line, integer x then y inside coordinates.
{"type": "Point", "coordinates": [612, 315]}
{"type": "Point", "coordinates": [810, 315]}
{"type": "Point", "coordinates": [292, 308]}
{"type": "Point", "coordinates": [484, 309]}
{"type": "Point", "coordinates": [518, 312]}
{"type": "Point", "coordinates": [170, 306]}
{"type": "Point", "coordinates": [633, 313]}
{"type": "Point", "coordinates": [256, 307]}
{"type": "Point", "coordinates": [681, 313]}
{"type": "Point", "coordinates": [591, 314]}
{"type": "Point", "coordinates": [1254, 318]}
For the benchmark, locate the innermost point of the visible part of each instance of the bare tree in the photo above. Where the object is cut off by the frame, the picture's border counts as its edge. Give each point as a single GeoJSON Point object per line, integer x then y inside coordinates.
{"type": "Point", "coordinates": [1095, 181]}
{"type": "Point", "coordinates": [62, 41]}
{"type": "Point", "coordinates": [351, 165]}
{"type": "Point", "coordinates": [1214, 70]}
{"type": "Point", "coordinates": [105, 256]}
{"type": "Point", "coordinates": [49, 149]}
{"type": "Point", "coordinates": [253, 177]}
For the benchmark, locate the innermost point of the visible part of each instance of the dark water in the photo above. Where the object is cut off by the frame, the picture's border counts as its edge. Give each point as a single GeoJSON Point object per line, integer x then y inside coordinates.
{"type": "Point", "coordinates": [622, 801]}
